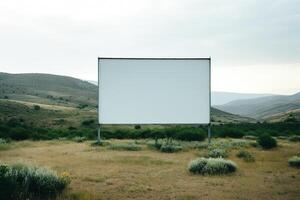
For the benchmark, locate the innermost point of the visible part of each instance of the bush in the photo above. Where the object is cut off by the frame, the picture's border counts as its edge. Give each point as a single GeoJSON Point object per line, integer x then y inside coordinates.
{"type": "Point", "coordinates": [189, 134]}
{"type": "Point", "coordinates": [170, 148]}
{"type": "Point", "coordinates": [266, 141]}
{"type": "Point", "coordinates": [155, 145]}
{"type": "Point", "coordinates": [231, 132]}
{"type": "Point", "coordinates": [101, 143]}
{"type": "Point", "coordinates": [19, 181]}
{"type": "Point", "coordinates": [2, 141]}
{"type": "Point", "coordinates": [166, 146]}
{"type": "Point", "coordinates": [79, 139]}
{"type": "Point", "coordinates": [211, 166]}
{"type": "Point", "coordinates": [282, 137]}
{"type": "Point", "coordinates": [218, 153]}
{"type": "Point", "coordinates": [36, 107]}
{"type": "Point", "coordinates": [250, 137]}
{"type": "Point", "coordinates": [295, 138]}
{"type": "Point", "coordinates": [126, 147]}
{"type": "Point", "coordinates": [4, 144]}
{"type": "Point", "coordinates": [294, 161]}
{"type": "Point", "coordinates": [137, 127]}
{"type": "Point", "coordinates": [88, 122]}
{"type": "Point", "coordinates": [246, 156]}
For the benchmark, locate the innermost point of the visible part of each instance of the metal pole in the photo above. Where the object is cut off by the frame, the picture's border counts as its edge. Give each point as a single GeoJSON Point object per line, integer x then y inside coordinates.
{"type": "Point", "coordinates": [209, 133]}
{"type": "Point", "coordinates": [98, 139]}
{"type": "Point", "coordinates": [209, 125]}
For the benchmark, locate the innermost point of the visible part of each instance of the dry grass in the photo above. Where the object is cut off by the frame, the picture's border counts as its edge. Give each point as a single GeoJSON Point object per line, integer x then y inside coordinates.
{"type": "Point", "coordinates": [100, 173]}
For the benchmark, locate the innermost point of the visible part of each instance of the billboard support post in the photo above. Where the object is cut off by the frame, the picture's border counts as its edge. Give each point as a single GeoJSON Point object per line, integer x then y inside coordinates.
{"type": "Point", "coordinates": [209, 124]}
{"type": "Point", "coordinates": [98, 127]}
{"type": "Point", "coordinates": [98, 138]}
{"type": "Point", "coordinates": [209, 133]}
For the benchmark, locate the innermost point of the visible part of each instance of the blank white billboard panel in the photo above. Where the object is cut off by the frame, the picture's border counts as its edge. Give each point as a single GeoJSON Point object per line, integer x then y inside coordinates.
{"type": "Point", "coordinates": [154, 91]}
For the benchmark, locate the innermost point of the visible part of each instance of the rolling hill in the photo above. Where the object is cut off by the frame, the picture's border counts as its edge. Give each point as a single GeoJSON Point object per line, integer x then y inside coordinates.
{"type": "Point", "coordinates": [220, 98]}
{"type": "Point", "coordinates": [265, 107]}
{"type": "Point", "coordinates": [63, 101]}
{"type": "Point", "coordinates": [47, 89]}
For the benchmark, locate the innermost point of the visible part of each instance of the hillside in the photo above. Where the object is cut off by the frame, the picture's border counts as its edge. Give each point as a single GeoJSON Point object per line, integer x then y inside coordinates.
{"type": "Point", "coordinates": [290, 116]}
{"type": "Point", "coordinates": [219, 116]}
{"type": "Point", "coordinates": [47, 89]}
{"type": "Point", "coordinates": [220, 98]}
{"type": "Point", "coordinates": [265, 107]}
{"type": "Point", "coordinates": [63, 101]}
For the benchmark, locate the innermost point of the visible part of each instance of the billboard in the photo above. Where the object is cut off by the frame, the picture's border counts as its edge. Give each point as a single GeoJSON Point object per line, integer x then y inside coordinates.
{"type": "Point", "coordinates": [154, 90]}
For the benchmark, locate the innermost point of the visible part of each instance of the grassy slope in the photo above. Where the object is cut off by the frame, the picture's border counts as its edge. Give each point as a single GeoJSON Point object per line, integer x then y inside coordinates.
{"type": "Point", "coordinates": [219, 116]}
{"type": "Point", "coordinates": [47, 89]}
{"type": "Point", "coordinates": [284, 116]}
{"type": "Point", "coordinates": [262, 108]}
{"type": "Point", "coordinates": [48, 115]}
{"type": "Point", "coordinates": [100, 173]}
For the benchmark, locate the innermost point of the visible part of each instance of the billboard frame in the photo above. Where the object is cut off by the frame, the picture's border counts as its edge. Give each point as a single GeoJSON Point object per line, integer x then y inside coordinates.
{"type": "Point", "coordinates": [152, 58]}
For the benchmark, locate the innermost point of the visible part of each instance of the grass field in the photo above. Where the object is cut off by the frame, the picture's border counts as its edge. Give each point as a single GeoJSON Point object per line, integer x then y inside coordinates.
{"type": "Point", "coordinates": [103, 173]}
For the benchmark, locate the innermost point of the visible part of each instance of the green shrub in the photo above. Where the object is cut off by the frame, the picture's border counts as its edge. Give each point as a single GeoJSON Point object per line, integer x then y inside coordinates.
{"type": "Point", "coordinates": [294, 161]}
{"type": "Point", "coordinates": [246, 156]}
{"type": "Point", "coordinates": [189, 134]}
{"type": "Point", "coordinates": [295, 138]}
{"type": "Point", "coordinates": [155, 145]}
{"type": "Point", "coordinates": [166, 146]}
{"type": "Point", "coordinates": [218, 153]}
{"type": "Point", "coordinates": [137, 127]}
{"type": "Point", "coordinates": [88, 122]}
{"type": "Point", "coordinates": [36, 107]}
{"type": "Point", "coordinates": [266, 141]}
{"type": "Point", "coordinates": [101, 143]}
{"type": "Point", "coordinates": [211, 166]}
{"type": "Point", "coordinates": [282, 137]}
{"type": "Point", "coordinates": [126, 147]}
{"type": "Point", "coordinates": [4, 145]}
{"type": "Point", "coordinates": [79, 139]}
{"type": "Point", "coordinates": [19, 181]}
{"type": "Point", "coordinates": [2, 141]}
{"type": "Point", "coordinates": [170, 148]}
{"type": "Point", "coordinates": [250, 137]}
{"type": "Point", "coordinates": [253, 144]}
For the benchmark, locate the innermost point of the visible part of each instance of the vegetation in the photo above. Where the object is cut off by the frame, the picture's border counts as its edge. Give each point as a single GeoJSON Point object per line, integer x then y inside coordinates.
{"type": "Point", "coordinates": [126, 147]}
{"type": "Point", "coordinates": [266, 141]}
{"type": "Point", "coordinates": [218, 153]}
{"type": "Point", "coordinates": [19, 181]}
{"type": "Point", "coordinates": [36, 107]}
{"type": "Point", "coordinates": [295, 138]}
{"type": "Point", "coordinates": [294, 161]}
{"type": "Point", "coordinates": [130, 171]}
{"type": "Point", "coordinates": [79, 139]}
{"type": "Point", "coordinates": [250, 137]}
{"type": "Point", "coordinates": [246, 156]}
{"type": "Point", "coordinates": [170, 148]}
{"type": "Point", "coordinates": [166, 146]}
{"type": "Point", "coordinates": [4, 144]}
{"type": "Point", "coordinates": [211, 166]}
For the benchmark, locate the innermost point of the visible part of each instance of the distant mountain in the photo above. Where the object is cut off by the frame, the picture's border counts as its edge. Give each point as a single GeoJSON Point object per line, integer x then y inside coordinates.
{"type": "Point", "coordinates": [59, 94]}
{"type": "Point", "coordinates": [220, 98]}
{"type": "Point", "coordinates": [264, 107]}
{"type": "Point", "coordinates": [47, 88]}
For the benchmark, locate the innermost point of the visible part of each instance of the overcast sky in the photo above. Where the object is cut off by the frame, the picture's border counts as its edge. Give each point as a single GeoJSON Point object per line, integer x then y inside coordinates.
{"type": "Point", "coordinates": [254, 44]}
